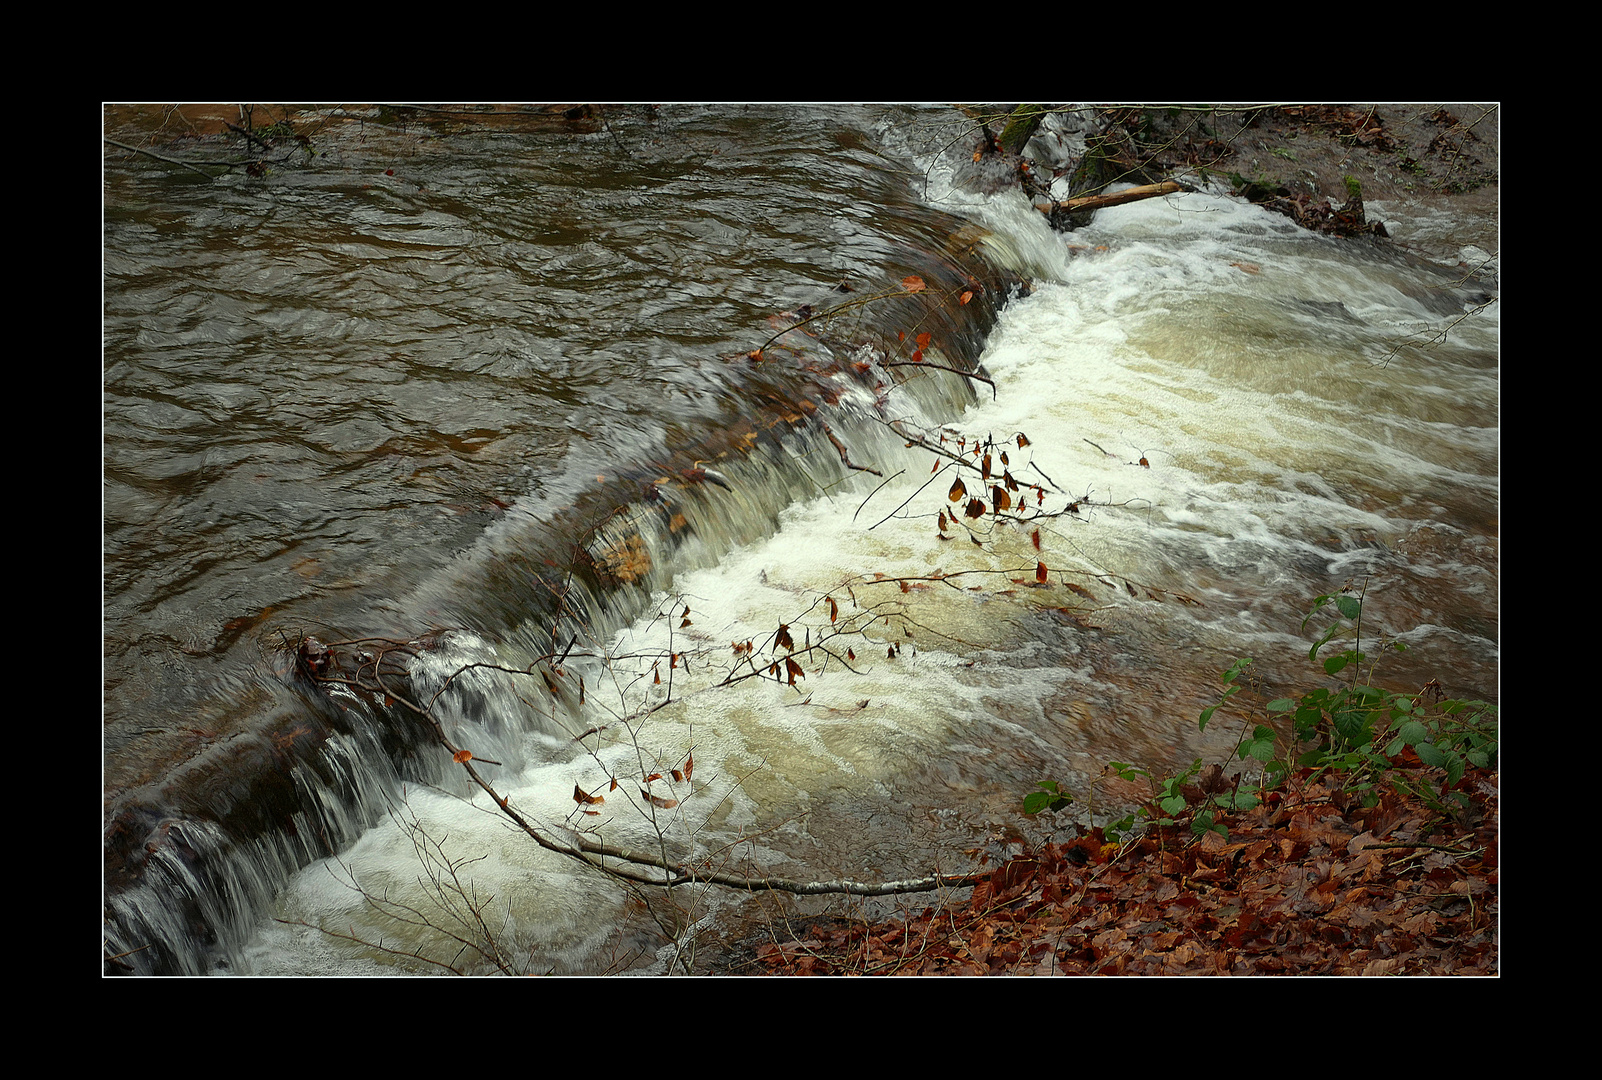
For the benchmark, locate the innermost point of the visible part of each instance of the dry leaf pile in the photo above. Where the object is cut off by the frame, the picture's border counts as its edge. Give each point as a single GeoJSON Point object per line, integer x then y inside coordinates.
{"type": "Point", "coordinates": [1308, 883]}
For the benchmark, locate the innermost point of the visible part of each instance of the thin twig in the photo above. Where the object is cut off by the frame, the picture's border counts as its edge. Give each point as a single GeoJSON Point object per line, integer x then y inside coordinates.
{"type": "Point", "coordinates": [955, 371]}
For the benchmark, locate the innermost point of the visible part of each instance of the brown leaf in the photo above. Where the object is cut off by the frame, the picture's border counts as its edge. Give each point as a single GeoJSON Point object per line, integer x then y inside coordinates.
{"type": "Point", "coordinates": [793, 669]}
{"type": "Point", "coordinates": [1034, 538]}
{"type": "Point", "coordinates": [834, 609]}
{"type": "Point", "coordinates": [657, 800]}
{"type": "Point", "coordinates": [461, 756]}
{"type": "Point", "coordinates": [783, 638]}
{"type": "Point", "coordinates": [966, 296]}
{"type": "Point", "coordinates": [584, 799]}
{"type": "Point", "coordinates": [974, 509]}
{"type": "Point", "coordinates": [958, 490]}
{"type": "Point", "coordinates": [1040, 572]}
{"type": "Point", "coordinates": [923, 341]}
{"type": "Point", "coordinates": [914, 283]}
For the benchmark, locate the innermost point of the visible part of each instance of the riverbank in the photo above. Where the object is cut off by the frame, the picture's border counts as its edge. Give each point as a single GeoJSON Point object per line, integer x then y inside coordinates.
{"type": "Point", "coordinates": [1311, 882]}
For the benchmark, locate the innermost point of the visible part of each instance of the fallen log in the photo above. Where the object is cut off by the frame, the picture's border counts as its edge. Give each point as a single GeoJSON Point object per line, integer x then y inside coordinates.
{"type": "Point", "coordinates": [1096, 202]}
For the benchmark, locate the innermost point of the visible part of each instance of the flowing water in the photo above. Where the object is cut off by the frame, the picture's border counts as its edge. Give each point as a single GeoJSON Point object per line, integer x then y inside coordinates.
{"type": "Point", "coordinates": [406, 387]}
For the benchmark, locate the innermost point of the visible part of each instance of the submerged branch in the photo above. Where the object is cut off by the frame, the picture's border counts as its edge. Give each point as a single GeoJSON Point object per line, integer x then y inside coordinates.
{"type": "Point", "coordinates": [169, 160]}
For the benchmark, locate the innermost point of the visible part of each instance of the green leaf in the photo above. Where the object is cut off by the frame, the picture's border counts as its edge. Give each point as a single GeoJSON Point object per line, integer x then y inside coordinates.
{"type": "Point", "coordinates": [1430, 754]}
{"type": "Point", "coordinates": [1350, 606]}
{"type": "Point", "coordinates": [1413, 732]}
{"type": "Point", "coordinates": [1049, 797]}
{"type": "Point", "coordinates": [1236, 668]}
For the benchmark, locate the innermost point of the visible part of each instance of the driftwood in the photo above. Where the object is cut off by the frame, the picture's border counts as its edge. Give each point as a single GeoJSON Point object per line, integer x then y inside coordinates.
{"type": "Point", "coordinates": [1096, 202]}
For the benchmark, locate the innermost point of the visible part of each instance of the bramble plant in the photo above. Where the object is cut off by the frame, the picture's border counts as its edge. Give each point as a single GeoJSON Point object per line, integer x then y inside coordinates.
{"type": "Point", "coordinates": [1354, 730]}
{"type": "Point", "coordinates": [1358, 729]}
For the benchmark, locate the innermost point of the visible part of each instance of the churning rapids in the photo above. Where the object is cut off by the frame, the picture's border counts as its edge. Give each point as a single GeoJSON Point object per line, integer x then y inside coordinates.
{"type": "Point", "coordinates": [493, 392]}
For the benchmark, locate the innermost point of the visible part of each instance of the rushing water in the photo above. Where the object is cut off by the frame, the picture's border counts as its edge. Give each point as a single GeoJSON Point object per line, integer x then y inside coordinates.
{"type": "Point", "coordinates": [395, 389]}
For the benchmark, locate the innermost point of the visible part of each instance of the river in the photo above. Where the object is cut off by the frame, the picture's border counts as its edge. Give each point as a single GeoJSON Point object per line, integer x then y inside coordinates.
{"type": "Point", "coordinates": [406, 386]}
